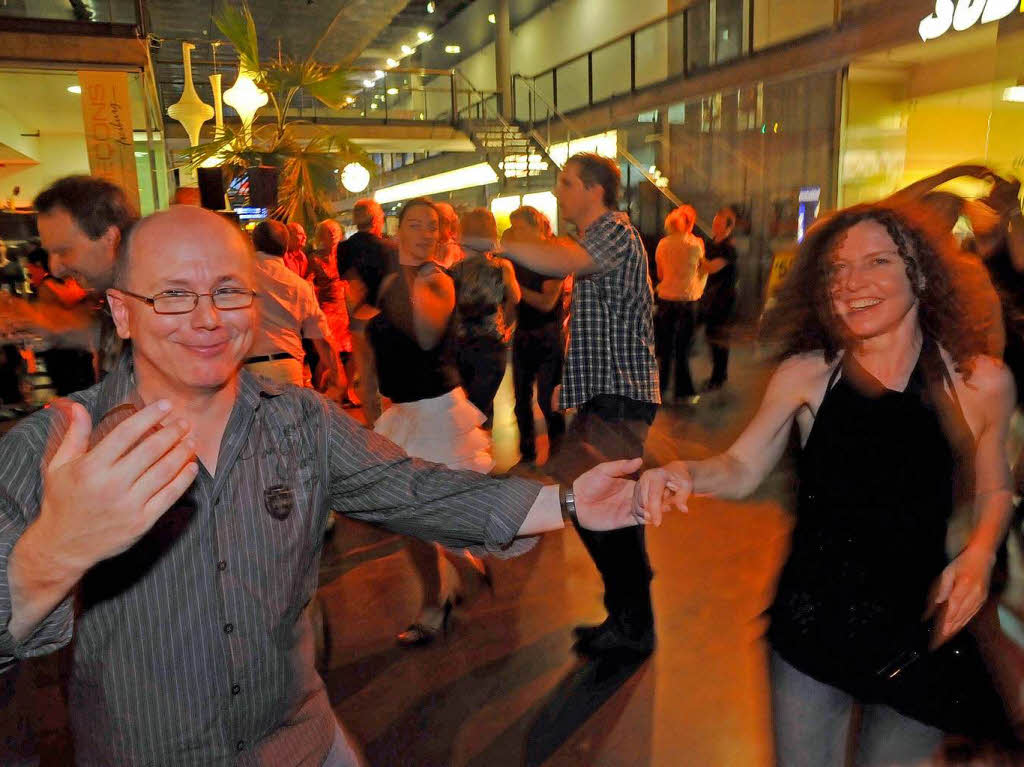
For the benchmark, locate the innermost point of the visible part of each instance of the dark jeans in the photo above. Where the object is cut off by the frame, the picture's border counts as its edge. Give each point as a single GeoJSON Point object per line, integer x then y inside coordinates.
{"type": "Point", "coordinates": [674, 326]}
{"type": "Point", "coordinates": [537, 356]}
{"type": "Point", "coordinates": [610, 428]}
{"type": "Point", "coordinates": [481, 363]}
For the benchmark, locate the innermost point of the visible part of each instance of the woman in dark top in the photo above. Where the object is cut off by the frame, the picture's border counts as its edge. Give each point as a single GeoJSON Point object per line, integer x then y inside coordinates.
{"type": "Point", "coordinates": [719, 298]}
{"type": "Point", "coordinates": [430, 416]}
{"type": "Point", "coordinates": [486, 294]}
{"type": "Point", "coordinates": [901, 413]}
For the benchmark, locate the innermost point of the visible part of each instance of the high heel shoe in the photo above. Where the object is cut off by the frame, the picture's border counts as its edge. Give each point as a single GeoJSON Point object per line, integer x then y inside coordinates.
{"type": "Point", "coordinates": [421, 633]}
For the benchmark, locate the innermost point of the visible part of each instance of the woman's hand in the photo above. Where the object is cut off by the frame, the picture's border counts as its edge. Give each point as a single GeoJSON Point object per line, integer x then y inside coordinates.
{"type": "Point", "coordinates": [960, 591]}
{"type": "Point", "coordinates": [671, 483]}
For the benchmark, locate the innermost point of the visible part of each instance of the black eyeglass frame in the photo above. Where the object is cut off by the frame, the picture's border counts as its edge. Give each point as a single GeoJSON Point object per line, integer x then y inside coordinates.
{"type": "Point", "coordinates": [151, 300]}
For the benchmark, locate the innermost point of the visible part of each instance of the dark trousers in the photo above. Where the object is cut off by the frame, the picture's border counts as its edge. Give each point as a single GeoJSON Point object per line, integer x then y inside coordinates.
{"type": "Point", "coordinates": [718, 340]}
{"type": "Point", "coordinates": [673, 327]}
{"type": "Point", "coordinates": [537, 357]}
{"type": "Point", "coordinates": [481, 363]}
{"type": "Point", "coordinates": [610, 428]}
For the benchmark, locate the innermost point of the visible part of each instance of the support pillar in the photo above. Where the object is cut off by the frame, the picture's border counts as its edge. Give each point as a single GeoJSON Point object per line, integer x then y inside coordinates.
{"type": "Point", "coordinates": [502, 64]}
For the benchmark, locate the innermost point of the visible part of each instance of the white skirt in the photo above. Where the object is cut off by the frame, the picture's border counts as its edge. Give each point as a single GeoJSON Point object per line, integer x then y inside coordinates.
{"type": "Point", "coordinates": [443, 429]}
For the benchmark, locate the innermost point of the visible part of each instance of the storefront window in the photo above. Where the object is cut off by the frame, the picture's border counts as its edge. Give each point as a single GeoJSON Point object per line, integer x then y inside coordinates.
{"type": "Point", "coordinates": [915, 110]}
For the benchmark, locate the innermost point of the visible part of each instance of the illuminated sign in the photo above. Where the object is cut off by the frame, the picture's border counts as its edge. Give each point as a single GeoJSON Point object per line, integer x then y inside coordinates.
{"type": "Point", "coordinates": [963, 14]}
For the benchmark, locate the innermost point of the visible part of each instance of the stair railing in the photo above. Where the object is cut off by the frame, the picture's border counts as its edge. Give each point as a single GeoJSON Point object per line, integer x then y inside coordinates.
{"type": "Point", "coordinates": [571, 131]}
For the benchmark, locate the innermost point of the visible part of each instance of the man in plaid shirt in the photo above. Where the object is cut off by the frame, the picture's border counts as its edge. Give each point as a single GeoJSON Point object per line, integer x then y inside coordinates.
{"type": "Point", "coordinates": [610, 377]}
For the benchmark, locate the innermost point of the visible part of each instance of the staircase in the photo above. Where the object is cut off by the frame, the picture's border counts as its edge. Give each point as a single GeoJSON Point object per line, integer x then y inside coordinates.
{"type": "Point", "coordinates": [519, 160]}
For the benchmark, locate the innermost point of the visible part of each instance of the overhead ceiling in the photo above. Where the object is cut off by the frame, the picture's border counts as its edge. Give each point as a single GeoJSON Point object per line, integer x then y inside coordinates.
{"type": "Point", "coordinates": [359, 34]}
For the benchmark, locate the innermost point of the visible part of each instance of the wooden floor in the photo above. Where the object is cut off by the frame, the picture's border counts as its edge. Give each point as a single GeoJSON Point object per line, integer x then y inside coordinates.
{"type": "Point", "coordinates": [505, 688]}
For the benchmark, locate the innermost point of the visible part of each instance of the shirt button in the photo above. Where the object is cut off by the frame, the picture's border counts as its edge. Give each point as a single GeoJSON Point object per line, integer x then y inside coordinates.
{"type": "Point", "coordinates": [228, 628]}
{"type": "Point", "coordinates": [222, 565]}
{"type": "Point", "coordinates": [235, 689]}
{"type": "Point", "coordinates": [240, 745]}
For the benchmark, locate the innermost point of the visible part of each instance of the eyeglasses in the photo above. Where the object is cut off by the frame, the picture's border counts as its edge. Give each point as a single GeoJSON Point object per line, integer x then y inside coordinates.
{"type": "Point", "coordinates": [185, 301]}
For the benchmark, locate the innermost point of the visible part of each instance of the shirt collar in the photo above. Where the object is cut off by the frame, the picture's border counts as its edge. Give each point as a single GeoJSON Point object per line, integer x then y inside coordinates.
{"type": "Point", "coordinates": [118, 388]}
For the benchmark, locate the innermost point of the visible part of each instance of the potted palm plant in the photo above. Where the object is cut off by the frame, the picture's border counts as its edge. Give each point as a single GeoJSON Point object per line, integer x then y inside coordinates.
{"type": "Point", "coordinates": [308, 156]}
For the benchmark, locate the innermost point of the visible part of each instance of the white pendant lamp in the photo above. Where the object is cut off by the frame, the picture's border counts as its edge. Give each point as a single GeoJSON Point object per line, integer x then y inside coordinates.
{"type": "Point", "coordinates": [246, 98]}
{"type": "Point", "coordinates": [190, 110]}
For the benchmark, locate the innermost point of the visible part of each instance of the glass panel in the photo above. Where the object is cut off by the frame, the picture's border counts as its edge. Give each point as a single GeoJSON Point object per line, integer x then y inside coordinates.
{"type": "Point", "coordinates": [611, 70]}
{"type": "Point", "coordinates": [106, 11]}
{"type": "Point", "coordinates": [676, 45]}
{"type": "Point", "coordinates": [573, 91]}
{"type": "Point", "coordinates": [698, 36]}
{"type": "Point", "coordinates": [544, 85]}
{"type": "Point", "coordinates": [728, 29]}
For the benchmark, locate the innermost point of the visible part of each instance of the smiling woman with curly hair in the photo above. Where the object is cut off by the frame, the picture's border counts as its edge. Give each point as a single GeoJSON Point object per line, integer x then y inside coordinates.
{"type": "Point", "coordinates": [883, 330]}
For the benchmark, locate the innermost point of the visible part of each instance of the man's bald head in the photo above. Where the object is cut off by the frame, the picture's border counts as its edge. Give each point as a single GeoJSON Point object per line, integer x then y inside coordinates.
{"type": "Point", "coordinates": [159, 234]}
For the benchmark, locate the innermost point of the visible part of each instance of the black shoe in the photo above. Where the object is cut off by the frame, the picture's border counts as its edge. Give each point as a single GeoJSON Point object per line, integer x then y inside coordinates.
{"type": "Point", "coordinates": [587, 631]}
{"type": "Point", "coordinates": [611, 640]}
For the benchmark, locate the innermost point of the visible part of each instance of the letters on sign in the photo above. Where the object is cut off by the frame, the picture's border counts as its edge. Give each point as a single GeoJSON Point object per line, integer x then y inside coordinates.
{"type": "Point", "coordinates": [107, 115]}
{"type": "Point", "coordinates": [963, 14]}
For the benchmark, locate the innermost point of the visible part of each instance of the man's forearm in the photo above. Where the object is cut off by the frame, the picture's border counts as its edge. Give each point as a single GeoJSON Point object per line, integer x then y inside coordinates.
{"type": "Point", "coordinates": [554, 260]}
{"type": "Point", "coordinates": [330, 360]}
{"type": "Point", "coordinates": [545, 514]}
{"type": "Point", "coordinates": [38, 582]}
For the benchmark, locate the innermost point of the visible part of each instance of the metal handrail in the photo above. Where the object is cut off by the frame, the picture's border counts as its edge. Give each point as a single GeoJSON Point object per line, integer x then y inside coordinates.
{"type": "Point", "coordinates": [571, 128]}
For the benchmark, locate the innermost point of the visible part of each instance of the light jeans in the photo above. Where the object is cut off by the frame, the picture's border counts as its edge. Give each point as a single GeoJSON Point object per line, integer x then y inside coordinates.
{"type": "Point", "coordinates": [812, 726]}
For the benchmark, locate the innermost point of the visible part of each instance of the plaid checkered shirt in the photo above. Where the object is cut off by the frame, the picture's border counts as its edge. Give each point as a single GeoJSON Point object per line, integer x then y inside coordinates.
{"type": "Point", "coordinates": [611, 331]}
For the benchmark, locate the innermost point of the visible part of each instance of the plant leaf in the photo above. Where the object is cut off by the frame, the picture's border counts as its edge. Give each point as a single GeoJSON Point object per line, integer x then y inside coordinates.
{"type": "Point", "coordinates": [237, 25]}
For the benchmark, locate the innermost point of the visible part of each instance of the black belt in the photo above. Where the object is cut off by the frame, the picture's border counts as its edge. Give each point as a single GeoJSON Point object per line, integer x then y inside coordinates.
{"type": "Point", "coordinates": [269, 358]}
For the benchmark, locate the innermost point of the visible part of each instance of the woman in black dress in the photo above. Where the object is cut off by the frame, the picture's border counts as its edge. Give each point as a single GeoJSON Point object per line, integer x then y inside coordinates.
{"type": "Point", "coordinates": [885, 370]}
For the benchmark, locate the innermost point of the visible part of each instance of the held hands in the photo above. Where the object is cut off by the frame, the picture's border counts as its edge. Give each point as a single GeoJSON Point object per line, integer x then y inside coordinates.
{"type": "Point", "coordinates": [960, 592]}
{"type": "Point", "coordinates": [670, 484]}
{"type": "Point", "coordinates": [604, 496]}
{"type": "Point", "coordinates": [98, 502]}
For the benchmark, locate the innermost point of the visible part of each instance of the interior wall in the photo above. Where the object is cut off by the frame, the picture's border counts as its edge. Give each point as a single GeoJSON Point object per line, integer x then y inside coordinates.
{"type": "Point", "coordinates": [776, 21]}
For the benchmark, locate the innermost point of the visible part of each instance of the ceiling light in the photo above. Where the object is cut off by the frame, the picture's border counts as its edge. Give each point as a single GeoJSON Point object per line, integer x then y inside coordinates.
{"type": "Point", "coordinates": [392, 91]}
{"type": "Point", "coordinates": [430, 7]}
{"type": "Point", "coordinates": [392, 63]}
{"type": "Point", "coordinates": [406, 50]}
{"type": "Point", "coordinates": [424, 36]}
{"type": "Point", "coordinates": [74, 89]}
{"type": "Point", "coordinates": [367, 83]}
{"type": "Point", "coordinates": [373, 105]}
{"type": "Point", "coordinates": [452, 49]}
{"type": "Point", "coordinates": [378, 73]}
{"type": "Point", "coordinates": [463, 178]}
{"type": "Point", "coordinates": [491, 19]}
{"type": "Point", "coordinates": [355, 178]}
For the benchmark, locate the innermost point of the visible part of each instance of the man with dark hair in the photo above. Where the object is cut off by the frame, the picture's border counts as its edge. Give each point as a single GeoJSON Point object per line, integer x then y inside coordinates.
{"type": "Point", "coordinates": [719, 298]}
{"type": "Point", "coordinates": [81, 222]}
{"type": "Point", "coordinates": [287, 313]}
{"type": "Point", "coordinates": [364, 260]}
{"type": "Point", "coordinates": [610, 377]}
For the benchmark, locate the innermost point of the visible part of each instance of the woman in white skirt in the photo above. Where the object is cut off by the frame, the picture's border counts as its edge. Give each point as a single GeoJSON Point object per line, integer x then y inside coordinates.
{"type": "Point", "coordinates": [430, 416]}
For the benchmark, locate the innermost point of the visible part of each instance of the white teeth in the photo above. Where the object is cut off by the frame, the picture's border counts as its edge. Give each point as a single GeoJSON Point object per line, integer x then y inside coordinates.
{"type": "Point", "coordinates": [864, 303]}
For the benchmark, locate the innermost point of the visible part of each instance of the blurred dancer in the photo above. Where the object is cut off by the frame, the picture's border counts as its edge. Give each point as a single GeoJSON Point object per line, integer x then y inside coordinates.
{"type": "Point", "coordinates": [430, 416]}
{"type": "Point", "coordinates": [538, 346]}
{"type": "Point", "coordinates": [448, 251]}
{"type": "Point", "coordinates": [295, 257]}
{"type": "Point", "coordinates": [486, 295]}
{"type": "Point", "coordinates": [330, 289]}
{"type": "Point", "coordinates": [886, 372]}
{"type": "Point", "coordinates": [679, 257]}
{"type": "Point", "coordinates": [720, 294]}
{"type": "Point", "coordinates": [364, 260]}
{"type": "Point", "coordinates": [611, 377]}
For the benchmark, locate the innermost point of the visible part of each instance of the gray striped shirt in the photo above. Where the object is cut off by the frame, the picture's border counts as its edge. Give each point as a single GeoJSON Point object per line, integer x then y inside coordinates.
{"type": "Point", "coordinates": [193, 647]}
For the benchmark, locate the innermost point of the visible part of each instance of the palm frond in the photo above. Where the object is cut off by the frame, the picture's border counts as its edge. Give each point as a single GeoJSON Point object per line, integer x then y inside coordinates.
{"type": "Point", "coordinates": [237, 25]}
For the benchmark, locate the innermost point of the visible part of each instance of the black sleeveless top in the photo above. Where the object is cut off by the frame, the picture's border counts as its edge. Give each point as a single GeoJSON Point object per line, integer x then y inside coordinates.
{"type": "Point", "coordinates": [405, 371]}
{"type": "Point", "coordinates": [878, 478]}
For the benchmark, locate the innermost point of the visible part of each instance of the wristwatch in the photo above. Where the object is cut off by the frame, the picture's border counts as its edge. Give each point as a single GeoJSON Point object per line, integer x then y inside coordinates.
{"type": "Point", "coordinates": [567, 500]}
